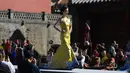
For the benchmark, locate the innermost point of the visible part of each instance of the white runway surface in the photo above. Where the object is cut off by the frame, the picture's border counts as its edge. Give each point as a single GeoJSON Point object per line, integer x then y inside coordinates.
{"type": "Point", "coordinates": [82, 71]}
{"type": "Point", "coordinates": [78, 71]}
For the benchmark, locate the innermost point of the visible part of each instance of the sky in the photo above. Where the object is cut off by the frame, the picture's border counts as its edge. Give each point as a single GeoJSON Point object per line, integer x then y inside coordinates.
{"type": "Point", "coordinates": [26, 5]}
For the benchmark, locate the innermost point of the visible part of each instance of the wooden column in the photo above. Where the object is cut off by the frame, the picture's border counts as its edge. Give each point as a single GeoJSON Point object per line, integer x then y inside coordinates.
{"type": "Point", "coordinates": [75, 23]}
{"type": "Point", "coordinates": [127, 18]}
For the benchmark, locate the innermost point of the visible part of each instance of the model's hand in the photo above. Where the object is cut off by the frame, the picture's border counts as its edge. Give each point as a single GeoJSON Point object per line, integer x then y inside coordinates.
{"type": "Point", "coordinates": [63, 31]}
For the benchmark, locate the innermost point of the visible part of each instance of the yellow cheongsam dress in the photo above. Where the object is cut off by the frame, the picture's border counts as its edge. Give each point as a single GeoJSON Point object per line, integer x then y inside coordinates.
{"type": "Point", "coordinates": [64, 53]}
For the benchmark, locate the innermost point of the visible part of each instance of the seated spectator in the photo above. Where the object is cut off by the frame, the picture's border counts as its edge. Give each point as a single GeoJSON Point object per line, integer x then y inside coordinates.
{"type": "Point", "coordinates": [95, 53]}
{"type": "Point", "coordinates": [127, 51]}
{"type": "Point", "coordinates": [75, 48]}
{"type": "Point", "coordinates": [88, 47]}
{"type": "Point", "coordinates": [112, 50]}
{"type": "Point", "coordinates": [1, 47]}
{"type": "Point", "coordinates": [87, 61]}
{"type": "Point", "coordinates": [95, 64]}
{"type": "Point", "coordinates": [44, 63]}
{"type": "Point", "coordinates": [19, 55]}
{"type": "Point", "coordinates": [3, 67]}
{"type": "Point", "coordinates": [49, 56]}
{"type": "Point", "coordinates": [29, 64]}
{"type": "Point", "coordinates": [100, 47]}
{"type": "Point", "coordinates": [25, 44]}
{"type": "Point", "coordinates": [29, 46]}
{"type": "Point", "coordinates": [3, 43]}
{"type": "Point", "coordinates": [81, 59]}
{"type": "Point", "coordinates": [120, 58]}
{"type": "Point", "coordinates": [13, 53]}
{"type": "Point", "coordinates": [126, 65]}
{"type": "Point", "coordinates": [104, 56]}
{"type": "Point", "coordinates": [87, 58]}
{"type": "Point", "coordinates": [8, 63]}
{"type": "Point", "coordinates": [111, 65]}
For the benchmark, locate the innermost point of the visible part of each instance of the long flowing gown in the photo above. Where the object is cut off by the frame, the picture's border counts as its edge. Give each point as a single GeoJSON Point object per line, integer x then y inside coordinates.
{"type": "Point", "coordinates": [64, 53]}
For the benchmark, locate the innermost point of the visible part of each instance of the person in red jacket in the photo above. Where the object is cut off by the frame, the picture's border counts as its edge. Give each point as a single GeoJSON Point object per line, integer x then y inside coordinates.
{"type": "Point", "coordinates": [7, 49]}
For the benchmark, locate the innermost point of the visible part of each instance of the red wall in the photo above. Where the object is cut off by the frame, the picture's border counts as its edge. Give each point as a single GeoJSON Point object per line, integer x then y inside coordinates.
{"type": "Point", "coordinates": [26, 5]}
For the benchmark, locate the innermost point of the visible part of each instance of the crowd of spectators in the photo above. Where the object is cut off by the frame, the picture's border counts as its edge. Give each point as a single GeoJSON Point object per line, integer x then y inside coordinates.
{"type": "Point", "coordinates": [111, 57]}
{"type": "Point", "coordinates": [101, 57]}
{"type": "Point", "coordinates": [19, 53]}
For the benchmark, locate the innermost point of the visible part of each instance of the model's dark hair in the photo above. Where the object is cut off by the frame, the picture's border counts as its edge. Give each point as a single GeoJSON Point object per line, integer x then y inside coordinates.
{"type": "Point", "coordinates": [63, 8]}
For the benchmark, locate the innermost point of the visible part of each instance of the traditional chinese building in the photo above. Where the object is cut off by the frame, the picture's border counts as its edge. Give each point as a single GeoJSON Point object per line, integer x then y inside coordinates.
{"type": "Point", "coordinates": [57, 4]}
{"type": "Point", "coordinates": [109, 20]}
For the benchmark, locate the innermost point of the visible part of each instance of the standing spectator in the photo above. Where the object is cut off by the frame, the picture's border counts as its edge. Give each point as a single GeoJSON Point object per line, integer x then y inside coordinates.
{"type": "Point", "coordinates": [8, 49]}
{"type": "Point", "coordinates": [29, 64]}
{"type": "Point", "coordinates": [87, 39]}
{"type": "Point", "coordinates": [87, 32]}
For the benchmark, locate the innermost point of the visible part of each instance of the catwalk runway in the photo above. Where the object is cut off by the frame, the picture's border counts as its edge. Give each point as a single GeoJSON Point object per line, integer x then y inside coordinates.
{"type": "Point", "coordinates": [79, 71]}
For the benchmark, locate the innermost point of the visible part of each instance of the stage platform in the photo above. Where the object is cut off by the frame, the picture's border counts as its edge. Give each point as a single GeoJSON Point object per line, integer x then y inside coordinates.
{"type": "Point", "coordinates": [77, 71]}
{"type": "Point", "coordinates": [80, 71]}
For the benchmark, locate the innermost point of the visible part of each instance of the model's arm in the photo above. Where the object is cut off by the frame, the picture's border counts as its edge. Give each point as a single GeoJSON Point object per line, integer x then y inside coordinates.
{"type": "Point", "coordinates": [61, 22]}
{"type": "Point", "coordinates": [70, 28]}
{"type": "Point", "coordinates": [55, 25]}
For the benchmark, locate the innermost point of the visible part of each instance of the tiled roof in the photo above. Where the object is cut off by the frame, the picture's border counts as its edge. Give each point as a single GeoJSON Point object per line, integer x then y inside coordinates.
{"type": "Point", "coordinates": [88, 1]}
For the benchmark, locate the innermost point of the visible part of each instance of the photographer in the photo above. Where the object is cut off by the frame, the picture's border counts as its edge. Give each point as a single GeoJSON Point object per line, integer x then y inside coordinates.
{"type": "Point", "coordinates": [29, 64]}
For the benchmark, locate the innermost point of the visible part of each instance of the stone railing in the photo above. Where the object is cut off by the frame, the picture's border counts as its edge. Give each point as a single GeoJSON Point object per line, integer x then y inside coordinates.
{"type": "Point", "coordinates": [52, 17]}
{"type": "Point", "coordinates": [3, 14]}
{"type": "Point", "coordinates": [9, 14]}
{"type": "Point", "coordinates": [26, 16]}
